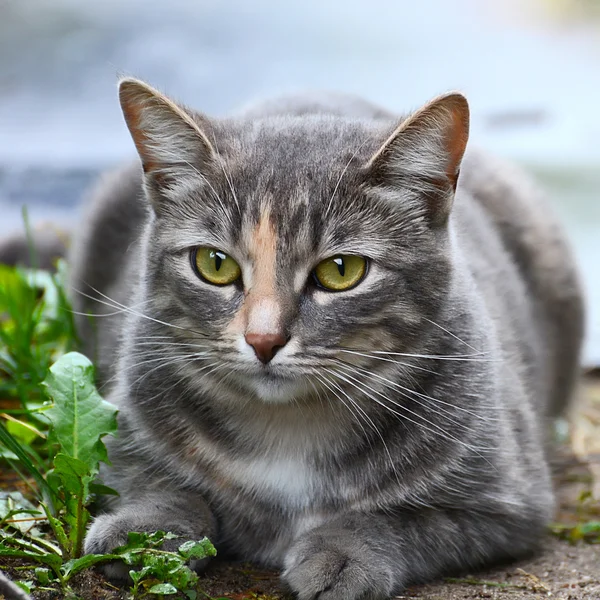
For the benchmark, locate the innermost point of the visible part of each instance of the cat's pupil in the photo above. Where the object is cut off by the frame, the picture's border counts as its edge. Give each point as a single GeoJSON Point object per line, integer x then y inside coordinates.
{"type": "Point", "coordinates": [340, 265]}
{"type": "Point", "coordinates": [219, 258]}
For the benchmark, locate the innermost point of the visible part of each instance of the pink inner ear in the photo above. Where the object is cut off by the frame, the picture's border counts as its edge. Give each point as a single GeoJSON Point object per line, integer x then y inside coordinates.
{"type": "Point", "coordinates": [132, 109]}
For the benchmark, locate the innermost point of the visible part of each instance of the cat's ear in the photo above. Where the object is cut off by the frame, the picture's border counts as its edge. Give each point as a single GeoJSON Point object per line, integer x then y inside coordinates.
{"type": "Point", "coordinates": [169, 141]}
{"type": "Point", "coordinates": [424, 154]}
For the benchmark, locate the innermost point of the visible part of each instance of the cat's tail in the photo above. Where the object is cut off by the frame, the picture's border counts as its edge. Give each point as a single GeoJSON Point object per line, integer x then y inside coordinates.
{"type": "Point", "coordinates": [44, 245]}
{"type": "Point", "coordinates": [10, 591]}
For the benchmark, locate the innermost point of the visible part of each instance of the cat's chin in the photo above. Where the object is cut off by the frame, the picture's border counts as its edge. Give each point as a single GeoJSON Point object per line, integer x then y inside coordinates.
{"type": "Point", "coordinates": [276, 390]}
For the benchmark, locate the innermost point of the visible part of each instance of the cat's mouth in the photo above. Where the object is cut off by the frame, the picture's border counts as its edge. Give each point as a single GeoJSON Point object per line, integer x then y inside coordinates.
{"type": "Point", "coordinates": [274, 388]}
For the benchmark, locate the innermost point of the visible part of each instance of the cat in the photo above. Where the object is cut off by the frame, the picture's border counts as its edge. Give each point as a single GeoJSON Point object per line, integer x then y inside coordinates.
{"type": "Point", "coordinates": [337, 341]}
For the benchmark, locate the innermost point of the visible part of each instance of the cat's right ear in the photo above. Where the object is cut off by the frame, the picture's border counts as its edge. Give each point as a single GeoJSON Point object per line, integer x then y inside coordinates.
{"type": "Point", "coordinates": [170, 142]}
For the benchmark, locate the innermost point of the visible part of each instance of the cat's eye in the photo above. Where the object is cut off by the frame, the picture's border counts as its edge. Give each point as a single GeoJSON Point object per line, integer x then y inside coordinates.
{"type": "Point", "coordinates": [215, 266]}
{"type": "Point", "coordinates": [341, 272]}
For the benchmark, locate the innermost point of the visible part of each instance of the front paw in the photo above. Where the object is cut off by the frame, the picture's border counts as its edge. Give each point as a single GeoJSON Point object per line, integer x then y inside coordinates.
{"type": "Point", "coordinates": [336, 568]}
{"type": "Point", "coordinates": [110, 531]}
{"type": "Point", "coordinates": [107, 533]}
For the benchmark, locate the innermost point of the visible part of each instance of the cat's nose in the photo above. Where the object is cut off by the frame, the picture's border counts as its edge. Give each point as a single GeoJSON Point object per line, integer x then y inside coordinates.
{"type": "Point", "coordinates": [266, 344]}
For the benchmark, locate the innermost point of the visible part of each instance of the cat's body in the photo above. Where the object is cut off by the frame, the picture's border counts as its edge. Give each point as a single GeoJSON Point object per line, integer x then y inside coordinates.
{"type": "Point", "coordinates": [396, 431]}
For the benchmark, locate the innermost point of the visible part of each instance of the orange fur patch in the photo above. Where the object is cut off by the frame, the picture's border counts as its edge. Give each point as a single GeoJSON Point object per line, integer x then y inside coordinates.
{"type": "Point", "coordinates": [260, 311]}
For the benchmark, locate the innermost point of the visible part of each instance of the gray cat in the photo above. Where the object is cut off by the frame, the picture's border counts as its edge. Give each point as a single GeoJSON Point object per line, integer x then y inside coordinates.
{"type": "Point", "coordinates": [331, 354]}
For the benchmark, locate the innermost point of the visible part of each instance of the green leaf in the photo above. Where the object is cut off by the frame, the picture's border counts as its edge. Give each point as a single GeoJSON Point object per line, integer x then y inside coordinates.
{"type": "Point", "coordinates": [80, 416]}
{"type": "Point", "coordinates": [43, 575]}
{"type": "Point", "coordinates": [5, 453]}
{"type": "Point", "coordinates": [143, 550]}
{"type": "Point", "coordinates": [52, 560]}
{"type": "Point", "coordinates": [74, 474]}
{"type": "Point", "coordinates": [58, 530]}
{"type": "Point", "coordinates": [75, 477]}
{"type": "Point", "coordinates": [75, 565]}
{"type": "Point", "coordinates": [99, 489]}
{"type": "Point", "coordinates": [590, 527]}
{"type": "Point", "coordinates": [163, 589]}
{"type": "Point", "coordinates": [11, 541]}
{"type": "Point", "coordinates": [198, 550]}
{"type": "Point", "coordinates": [25, 585]}
{"type": "Point", "coordinates": [21, 432]}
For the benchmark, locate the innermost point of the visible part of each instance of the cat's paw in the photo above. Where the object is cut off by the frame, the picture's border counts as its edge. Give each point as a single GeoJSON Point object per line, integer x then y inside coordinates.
{"type": "Point", "coordinates": [336, 569]}
{"type": "Point", "coordinates": [109, 531]}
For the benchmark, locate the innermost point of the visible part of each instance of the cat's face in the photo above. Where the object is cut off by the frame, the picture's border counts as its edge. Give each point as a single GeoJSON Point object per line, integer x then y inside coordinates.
{"type": "Point", "coordinates": [291, 253]}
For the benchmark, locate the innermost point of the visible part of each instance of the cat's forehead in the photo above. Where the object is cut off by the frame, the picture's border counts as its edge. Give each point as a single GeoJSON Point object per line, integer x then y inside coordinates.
{"type": "Point", "coordinates": [293, 150]}
{"type": "Point", "coordinates": [285, 169]}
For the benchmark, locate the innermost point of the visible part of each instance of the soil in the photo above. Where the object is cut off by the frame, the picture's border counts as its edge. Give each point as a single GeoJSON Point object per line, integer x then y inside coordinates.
{"type": "Point", "coordinates": [563, 571]}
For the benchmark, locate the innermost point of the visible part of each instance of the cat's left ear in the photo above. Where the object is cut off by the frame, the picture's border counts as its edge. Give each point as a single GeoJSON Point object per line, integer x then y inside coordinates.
{"type": "Point", "coordinates": [170, 141]}
{"type": "Point", "coordinates": [424, 154]}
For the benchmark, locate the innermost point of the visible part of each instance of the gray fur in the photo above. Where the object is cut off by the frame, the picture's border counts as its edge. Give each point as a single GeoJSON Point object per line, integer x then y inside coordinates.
{"type": "Point", "coordinates": [9, 591]}
{"type": "Point", "coordinates": [48, 245]}
{"type": "Point", "coordinates": [354, 472]}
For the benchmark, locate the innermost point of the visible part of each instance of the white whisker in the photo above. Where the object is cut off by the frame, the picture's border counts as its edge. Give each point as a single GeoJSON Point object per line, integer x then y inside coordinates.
{"type": "Point", "coordinates": [456, 357]}
{"type": "Point", "coordinates": [436, 428]}
{"type": "Point", "coordinates": [370, 421]}
{"type": "Point", "coordinates": [405, 390]}
{"type": "Point", "coordinates": [127, 309]}
{"type": "Point", "coordinates": [451, 334]}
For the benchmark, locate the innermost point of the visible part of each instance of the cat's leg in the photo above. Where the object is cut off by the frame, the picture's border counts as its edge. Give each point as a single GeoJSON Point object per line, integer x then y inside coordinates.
{"type": "Point", "coordinates": [183, 513]}
{"type": "Point", "coordinates": [371, 556]}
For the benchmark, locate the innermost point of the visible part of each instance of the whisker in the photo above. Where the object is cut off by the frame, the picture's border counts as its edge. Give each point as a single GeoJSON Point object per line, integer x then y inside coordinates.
{"type": "Point", "coordinates": [147, 361]}
{"type": "Point", "coordinates": [97, 315]}
{"type": "Point", "coordinates": [447, 414]}
{"type": "Point", "coordinates": [167, 363]}
{"type": "Point", "coordinates": [371, 422]}
{"type": "Point", "coordinates": [161, 344]}
{"type": "Point", "coordinates": [177, 382]}
{"type": "Point", "coordinates": [133, 312]}
{"type": "Point", "coordinates": [436, 428]}
{"type": "Point", "coordinates": [451, 334]}
{"type": "Point", "coordinates": [455, 357]}
{"type": "Point", "coordinates": [437, 401]}
{"type": "Point", "coordinates": [396, 362]}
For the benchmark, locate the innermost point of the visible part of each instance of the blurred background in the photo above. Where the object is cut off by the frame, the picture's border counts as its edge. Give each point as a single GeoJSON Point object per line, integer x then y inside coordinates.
{"type": "Point", "coordinates": [530, 68]}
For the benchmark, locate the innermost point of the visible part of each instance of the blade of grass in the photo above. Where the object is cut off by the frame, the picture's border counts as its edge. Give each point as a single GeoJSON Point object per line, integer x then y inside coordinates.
{"type": "Point", "coordinates": [7, 440]}
{"type": "Point", "coordinates": [15, 467]}
{"type": "Point", "coordinates": [30, 244]}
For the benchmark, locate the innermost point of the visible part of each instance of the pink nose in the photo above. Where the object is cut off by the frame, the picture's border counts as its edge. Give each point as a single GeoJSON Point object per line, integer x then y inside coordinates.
{"type": "Point", "coordinates": [265, 344]}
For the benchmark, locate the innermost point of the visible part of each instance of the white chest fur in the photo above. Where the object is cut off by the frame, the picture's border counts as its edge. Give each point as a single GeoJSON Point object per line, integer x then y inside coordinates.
{"type": "Point", "coordinates": [287, 481]}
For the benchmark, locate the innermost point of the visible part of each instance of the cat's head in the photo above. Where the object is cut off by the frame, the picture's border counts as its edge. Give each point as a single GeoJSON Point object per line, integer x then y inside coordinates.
{"type": "Point", "coordinates": [289, 253]}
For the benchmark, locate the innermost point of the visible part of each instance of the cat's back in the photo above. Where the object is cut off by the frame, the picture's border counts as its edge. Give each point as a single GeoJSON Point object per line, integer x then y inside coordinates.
{"type": "Point", "coordinates": [317, 103]}
{"type": "Point", "coordinates": [101, 260]}
{"type": "Point", "coordinates": [509, 227]}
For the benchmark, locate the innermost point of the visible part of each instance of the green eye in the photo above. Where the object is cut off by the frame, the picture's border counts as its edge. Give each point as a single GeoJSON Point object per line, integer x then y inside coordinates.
{"type": "Point", "coordinates": [340, 272]}
{"type": "Point", "coordinates": [215, 266]}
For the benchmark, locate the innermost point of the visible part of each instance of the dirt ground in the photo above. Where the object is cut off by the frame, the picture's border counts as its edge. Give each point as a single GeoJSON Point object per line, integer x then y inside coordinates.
{"type": "Point", "coordinates": [563, 571]}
